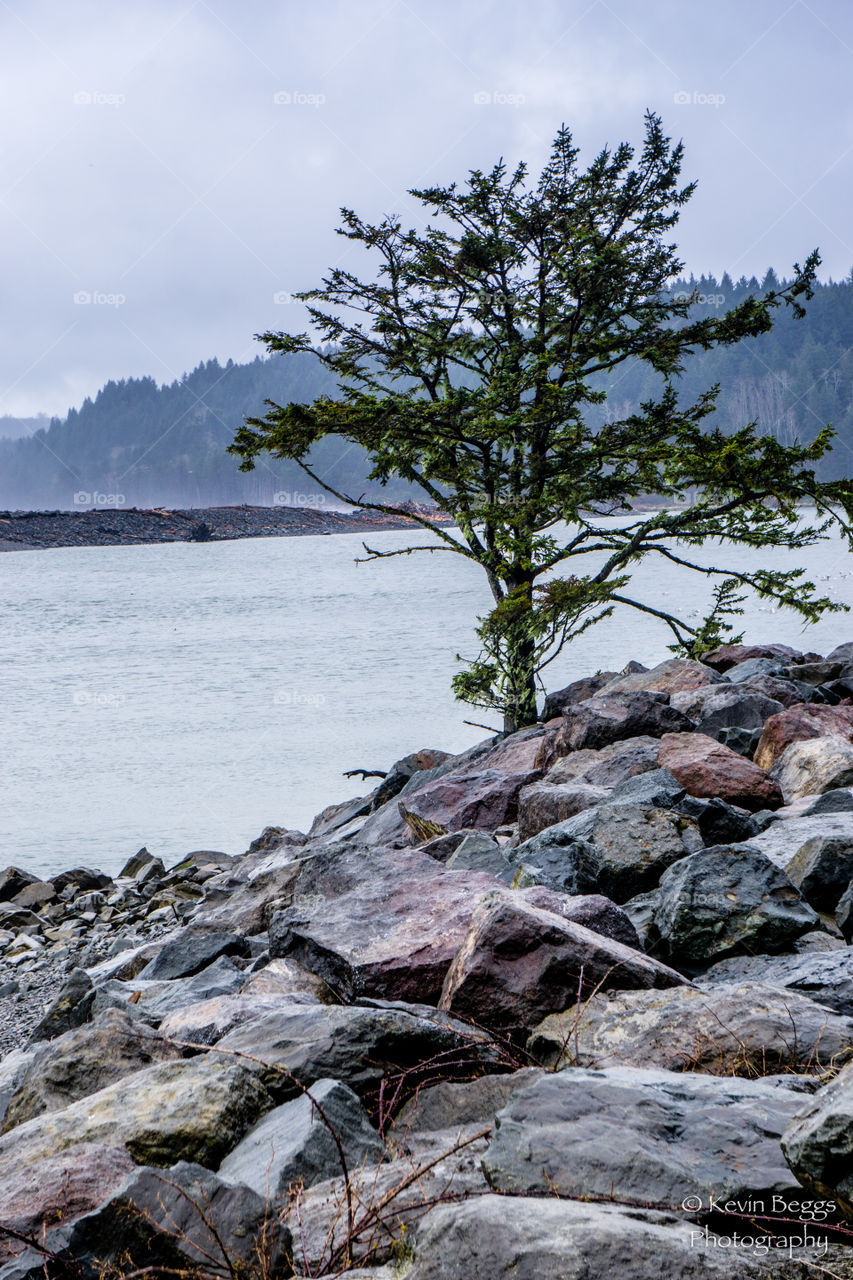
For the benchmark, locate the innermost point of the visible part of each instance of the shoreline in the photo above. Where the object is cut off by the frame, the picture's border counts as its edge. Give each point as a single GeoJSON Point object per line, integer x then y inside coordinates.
{"type": "Point", "coordinates": [132, 526]}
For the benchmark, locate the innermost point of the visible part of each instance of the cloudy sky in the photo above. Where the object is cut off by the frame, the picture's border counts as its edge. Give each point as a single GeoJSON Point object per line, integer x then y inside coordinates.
{"type": "Point", "coordinates": [173, 171]}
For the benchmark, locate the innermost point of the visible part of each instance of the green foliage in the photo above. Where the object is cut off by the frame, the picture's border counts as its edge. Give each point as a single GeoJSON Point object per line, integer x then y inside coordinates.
{"type": "Point", "coordinates": [475, 364]}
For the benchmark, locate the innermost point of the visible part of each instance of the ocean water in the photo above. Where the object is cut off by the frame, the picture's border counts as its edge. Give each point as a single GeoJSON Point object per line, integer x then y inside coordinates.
{"type": "Point", "coordinates": [184, 696]}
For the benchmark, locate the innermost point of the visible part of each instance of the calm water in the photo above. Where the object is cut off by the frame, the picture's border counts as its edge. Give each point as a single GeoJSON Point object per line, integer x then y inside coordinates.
{"type": "Point", "coordinates": [185, 696]}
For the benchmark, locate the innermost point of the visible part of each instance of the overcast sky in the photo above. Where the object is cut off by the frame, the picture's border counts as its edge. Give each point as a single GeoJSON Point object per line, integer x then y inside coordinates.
{"type": "Point", "coordinates": [181, 165]}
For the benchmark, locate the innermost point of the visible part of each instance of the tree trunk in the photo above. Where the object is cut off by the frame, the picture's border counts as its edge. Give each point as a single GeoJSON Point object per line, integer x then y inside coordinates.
{"type": "Point", "coordinates": [520, 705]}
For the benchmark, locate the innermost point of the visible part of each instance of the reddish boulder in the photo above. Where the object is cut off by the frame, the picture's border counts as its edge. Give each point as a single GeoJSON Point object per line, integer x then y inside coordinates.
{"type": "Point", "coordinates": [59, 1189]}
{"type": "Point", "coordinates": [705, 767]}
{"type": "Point", "coordinates": [797, 724]}
{"type": "Point", "coordinates": [729, 655]}
{"type": "Point", "coordinates": [379, 923]}
{"type": "Point", "coordinates": [519, 963]}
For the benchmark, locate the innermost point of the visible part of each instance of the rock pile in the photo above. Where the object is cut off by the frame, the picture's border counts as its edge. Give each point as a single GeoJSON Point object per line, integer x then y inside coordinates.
{"type": "Point", "coordinates": [577, 1002]}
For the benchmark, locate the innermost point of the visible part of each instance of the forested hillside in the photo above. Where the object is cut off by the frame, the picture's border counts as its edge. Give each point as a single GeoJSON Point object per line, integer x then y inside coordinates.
{"type": "Point", "coordinates": [150, 445]}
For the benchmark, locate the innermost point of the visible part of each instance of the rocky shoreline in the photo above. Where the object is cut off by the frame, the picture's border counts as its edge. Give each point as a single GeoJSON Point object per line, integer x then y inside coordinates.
{"type": "Point", "coordinates": [126, 526]}
{"type": "Point", "coordinates": [576, 1003]}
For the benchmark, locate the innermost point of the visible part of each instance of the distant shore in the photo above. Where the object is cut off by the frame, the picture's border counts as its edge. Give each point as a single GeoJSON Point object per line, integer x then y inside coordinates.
{"type": "Point", "coordinates": [115, 527]}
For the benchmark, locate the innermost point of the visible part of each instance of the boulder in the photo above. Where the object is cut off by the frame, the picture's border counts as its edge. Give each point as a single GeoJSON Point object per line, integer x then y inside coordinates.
{"type": "Point", "coordinates": [788, 692]}
{"type": "Point", "coordinates": [618, 850]}
{"type": "Point", "coordinates": [359, 1044]}
{"type": "Point", "coordinates": [724, 706]}
{"type": "Point", "coordinates": [844, 913]}
{"type": "Point", "coordinates": [728, 898]}
{"type": "Point", "coordinates": [813, 766]}
{"type": "Point", "coordinates": [707, 768]}
{"type": "Point", "coordinates": [388, 925]}
{"type": "Point", "coordinates": [782, 839]}
{"type": "Point", "coordinates": [818, 1144]}
{"type": "Point", "coordinates": [841, 653]}
{"type": "Point", "coordinates": [58, 1189]}
{"type": "Point", "coordinates": [557, 703]}
{"type": "Point", "coordinates": [675, 677]}
{"type": "Point", "coordinates": [70, 1008]}
{"type": "Point", "coordinates": [644, 1136]}
{"type": "Point", "coordinates": [286, 978]}
{"type": "Point", "coordinates": [728, 655]}
{"type": "Point", "coordinates": [748, 1030]}
{"type": "Point", "coordinates": [35, 895]}
{"type": "Point", "coordinates": [544, 1238]}
{"type": "Point", "coordinates": [12, 881]}
{"type": "Point", "coordinates": [542, 804]}
{"type": "Point", "coordinates": [798, 723]}
{"type": "Point", "coordinates": [185, 1221]}
{"type": "Point", "coordinates": [824, 976]}
{"type": "Point", "coordinates": [84, 1060]}
{"type": "Point", "coordinates": [612, 717]}
{"type": "Point", "coordinates": [592, 910]}
{"type": "Point", "coordinates": [190, 950]}
{"type": "Point", "coordinates": [478, 852]}
{"type": "Point", "coordinates": [197, 1109]}
{"type": "Point", "coordinates": [519, 962]}
{"type": "Point", "coordinates": [478, 790]}
{"type": "Point", "coordinates": [609, 766]}
{"type": "Point", "coordinates": [81, 880]}
{"type": "Point", "coordinates": [154, 1000]}
{"type": "Point", "coordinates": [210, 1020]}
{"type": "Point", "coordinates": [821, 869]}
{"type": "Point", "coordinates": [451, 1105]}
{"type": "Point", "coordinates": [293, 1144]}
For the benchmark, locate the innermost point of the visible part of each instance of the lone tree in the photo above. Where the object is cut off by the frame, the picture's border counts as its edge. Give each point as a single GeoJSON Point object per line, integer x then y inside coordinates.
{"type": "Point", "coordinates": [468, 366]}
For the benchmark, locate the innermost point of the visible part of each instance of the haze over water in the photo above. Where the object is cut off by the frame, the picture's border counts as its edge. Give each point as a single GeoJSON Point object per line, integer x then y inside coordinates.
{"type": "Point", "coordinates": [184, 696]}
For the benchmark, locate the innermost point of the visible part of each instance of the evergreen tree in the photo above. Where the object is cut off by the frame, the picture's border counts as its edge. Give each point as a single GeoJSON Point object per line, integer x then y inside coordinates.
{"type": "Point", "coordinates": [471, 366]}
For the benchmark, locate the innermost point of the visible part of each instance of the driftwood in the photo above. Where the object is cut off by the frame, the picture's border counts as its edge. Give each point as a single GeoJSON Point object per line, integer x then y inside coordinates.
{"type": "Point", "coordinates": [366, 773]}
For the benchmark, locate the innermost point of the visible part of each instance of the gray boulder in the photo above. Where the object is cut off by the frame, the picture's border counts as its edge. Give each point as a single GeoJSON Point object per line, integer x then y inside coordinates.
{"type": "Point", "coordinates": [824, 976]}
{"type": "Point", "coordinates": [726, 899]}
{"type": "Point", "coordinates": [821, 869]}
{"type": "Point", "coordinates": [747, 1030]}
{"type": "Point", "coordinates": [818, 1144]}
{"type": "Point", "coordinates": [358, 1044]}
{"type": "Point", "coordinates": [712, 707]}
{"type": "Point", "coordinates": [544, 804]}
{"type": "Point", "coordinates": [84, 1060]}
{"type": "Point", "coordinates": [612, 717]}
{"type": "Point", "coordinates": [190, 950]}
{"type": "Point", "coordinates": [478, 852]}
{"type": "Point", "coordinates": [645, 1136]}
{"type": "Point", "coordinates": [844, 913]}
{"type": "Point", "coordinates": [607, 766]}
{"type": "Point", "coordinates": [187, 1110]}
{"type": "Point", "coordinates": [543, 1238]}
{"type": "Point", "coordinates": [70, 1008]}
{"type": "Point", "coordinates": [592, 910]}
{"type": "Point", "coordinates": [157, 1218]}
{"type": "Point", "coordinates": [618, 850]}
{"type": "Point", "coordinates": [293, 1143]}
